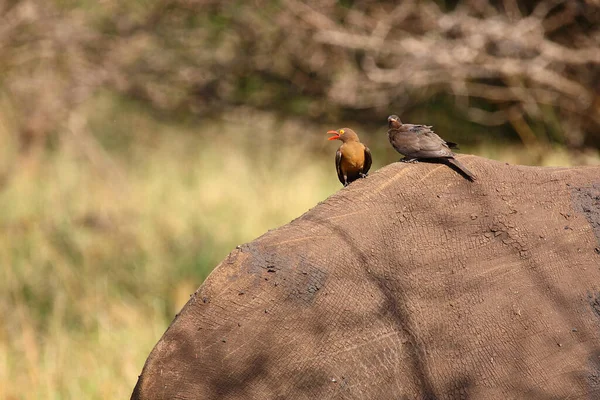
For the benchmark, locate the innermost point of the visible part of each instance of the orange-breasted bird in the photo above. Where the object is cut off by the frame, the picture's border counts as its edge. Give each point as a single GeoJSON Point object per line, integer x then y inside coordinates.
{"type": "Point", "coordinates": [352, 159]}
{"type": "Point", "coordinates": [419, 142]}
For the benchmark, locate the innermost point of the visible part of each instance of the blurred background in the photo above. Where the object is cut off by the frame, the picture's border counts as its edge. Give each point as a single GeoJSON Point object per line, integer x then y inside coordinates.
{"type": "Point", "coordinates": [142, 140]}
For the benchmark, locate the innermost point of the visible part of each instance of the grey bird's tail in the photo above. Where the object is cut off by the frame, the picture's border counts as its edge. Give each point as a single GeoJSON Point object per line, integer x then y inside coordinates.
{"type": "Point", "coordinates": [461, 169]}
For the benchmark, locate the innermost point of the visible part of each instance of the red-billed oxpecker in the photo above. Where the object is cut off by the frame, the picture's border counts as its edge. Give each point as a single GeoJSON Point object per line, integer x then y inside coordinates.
{"type": "Point", "coordinates": [419, 142]}
{"type": "Point", "coordinates": [352, 159]}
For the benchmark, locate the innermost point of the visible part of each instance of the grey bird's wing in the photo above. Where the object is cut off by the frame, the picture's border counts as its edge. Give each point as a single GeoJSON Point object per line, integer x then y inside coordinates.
{"type": "Point", "coordinates": [429, 143]}
{"type": "Point", "coordinates": [404, 141]}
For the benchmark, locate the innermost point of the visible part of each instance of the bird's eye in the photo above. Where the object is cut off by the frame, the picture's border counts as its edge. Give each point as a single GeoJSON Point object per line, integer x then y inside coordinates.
{"type": "Point", "coordinates": [341, 131]}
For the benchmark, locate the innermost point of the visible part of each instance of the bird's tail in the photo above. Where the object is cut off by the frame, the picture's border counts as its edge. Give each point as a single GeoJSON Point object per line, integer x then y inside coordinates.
{"type": "Point", "coordinates": [461, 169]}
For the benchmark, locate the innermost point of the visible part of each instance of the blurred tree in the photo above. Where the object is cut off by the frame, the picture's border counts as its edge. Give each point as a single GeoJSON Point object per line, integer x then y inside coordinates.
{"type": "Point", "coordinates": [533, 65]}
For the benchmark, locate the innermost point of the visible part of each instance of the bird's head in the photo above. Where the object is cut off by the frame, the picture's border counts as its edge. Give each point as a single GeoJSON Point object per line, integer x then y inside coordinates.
{"type": "Point", "coordinates": [344, 134]}
{"type": "Point", "coordinates": [394, 122]}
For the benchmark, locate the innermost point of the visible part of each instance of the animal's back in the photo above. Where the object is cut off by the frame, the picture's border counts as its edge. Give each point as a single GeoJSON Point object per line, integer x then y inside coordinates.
{"type": "Point", "coordinates": [399, 288]}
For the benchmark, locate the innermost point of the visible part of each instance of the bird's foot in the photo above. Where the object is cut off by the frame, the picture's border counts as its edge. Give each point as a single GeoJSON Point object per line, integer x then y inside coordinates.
{"type": "Point", "coordinates": [363, 175]}
{"type": "Point", "coordinates": [409, 160]}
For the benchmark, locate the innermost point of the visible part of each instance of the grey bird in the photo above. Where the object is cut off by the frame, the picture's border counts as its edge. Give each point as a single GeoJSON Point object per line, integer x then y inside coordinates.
{"type": "Point", "coordinates": [419, 142]}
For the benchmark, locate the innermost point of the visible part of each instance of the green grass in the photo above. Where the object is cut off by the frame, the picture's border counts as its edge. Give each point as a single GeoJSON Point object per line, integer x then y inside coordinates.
{"type": "Point", "coordinates": [104, 237]}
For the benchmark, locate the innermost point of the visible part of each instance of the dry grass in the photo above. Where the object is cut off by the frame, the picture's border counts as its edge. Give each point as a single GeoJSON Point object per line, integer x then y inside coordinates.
{"type": "Point", "coordinates": [100, 251]}
{"type": "Point", "coordinates": [101, 247]}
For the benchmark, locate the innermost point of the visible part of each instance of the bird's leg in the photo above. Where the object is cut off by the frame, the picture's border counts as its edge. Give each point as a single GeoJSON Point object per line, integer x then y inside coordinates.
{"type": "Point", "coordinates": [345, 181]}
{"type": "Point", "coordinates": [362, 175]}
{"type": "Point", "coordinates": [409, 160]}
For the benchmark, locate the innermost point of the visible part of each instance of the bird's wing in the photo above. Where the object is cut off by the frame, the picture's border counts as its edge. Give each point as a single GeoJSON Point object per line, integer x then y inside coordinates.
{"type": "Point", "coordinates": [430, 144]}
{"type": "Point", "coordinates": [404, 141]}
{"type": "Point", "coordinates": [338, 165]}
{"type": "Point", "coordinates": [368, 160]}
